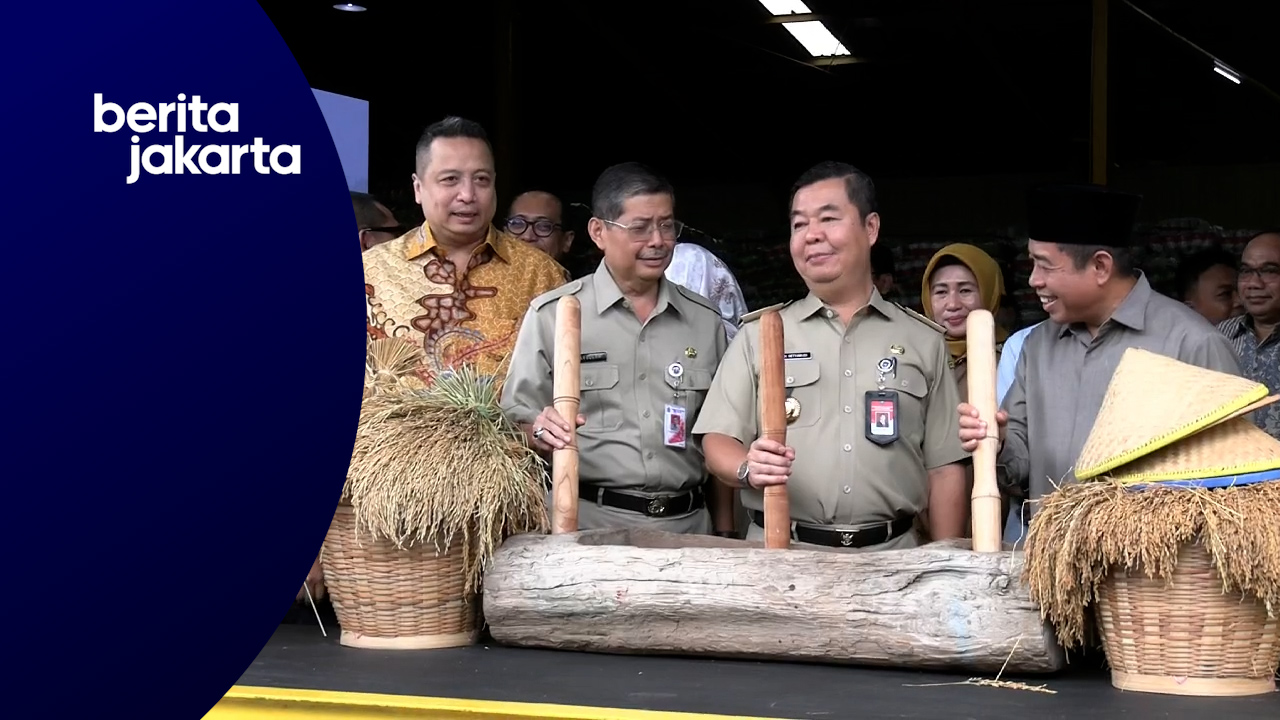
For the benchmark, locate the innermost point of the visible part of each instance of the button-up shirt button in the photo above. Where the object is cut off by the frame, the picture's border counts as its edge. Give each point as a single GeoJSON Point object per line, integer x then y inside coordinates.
{"type": "Point", "coordinates": [650, 455]}
{"type": "Point", "coordinates": [646, 413]}
{"type": "Point", "coordinates": [848, 373]}
{"type": "Point", "coordinates": [848, 448]}
{"type": "Point", "coordinates": [847, 489]}
{"type": "Point", "coordinates": [790, 379]}
{"type": "Point", "coordinates": [829, 313]}
{"type": "Point", "coordinates": [590, 382]}
{"type": "Point", "coordinates": [848, 409]}
{"type": "Point", "coordinates": [643, 376]}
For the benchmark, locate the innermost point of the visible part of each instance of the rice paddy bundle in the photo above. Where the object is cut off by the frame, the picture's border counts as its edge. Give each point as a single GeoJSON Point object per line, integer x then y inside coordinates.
{"type": "Point", "coordinates": [1170, 541]}
{"type": "Point", "coordinates": [440, 464]}
{"type": "Point", "coordinates": [1084, 531]}
{"type": "Point", "coordinates": [438, 479]}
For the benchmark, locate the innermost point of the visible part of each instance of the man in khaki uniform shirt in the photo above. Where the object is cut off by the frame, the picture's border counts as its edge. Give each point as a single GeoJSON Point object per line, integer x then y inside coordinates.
{"type": "Point", "coordinates": [871, 434]}
{"type": "Point", "coordinates": [1099, 305]}
{"type": "Point", "coordinates": [649, 351]}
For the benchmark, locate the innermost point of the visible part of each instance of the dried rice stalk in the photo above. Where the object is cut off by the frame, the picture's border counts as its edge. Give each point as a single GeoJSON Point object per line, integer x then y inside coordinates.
{"type": "Point", "coordinates": [440, 464]}
{"type": "Point", "coordinates": [1084, 530]}
{"type": "Point", "coordinates": [389, 364]}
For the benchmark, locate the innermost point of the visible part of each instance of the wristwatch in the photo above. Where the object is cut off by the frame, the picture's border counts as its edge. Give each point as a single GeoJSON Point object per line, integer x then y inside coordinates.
{"type": "Point", "coordinates": [743, 471]}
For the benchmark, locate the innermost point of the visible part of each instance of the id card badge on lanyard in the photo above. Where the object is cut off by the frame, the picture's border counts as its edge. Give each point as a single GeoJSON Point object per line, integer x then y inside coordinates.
{"type": "Point", "coordinates": [882, 416]}
{"type": "Point", "coordinates": [674, 430]}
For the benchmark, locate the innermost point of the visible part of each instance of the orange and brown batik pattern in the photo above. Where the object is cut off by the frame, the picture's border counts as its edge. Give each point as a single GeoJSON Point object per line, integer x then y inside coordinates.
{"type": "Point", "coordinates": [413, 292]}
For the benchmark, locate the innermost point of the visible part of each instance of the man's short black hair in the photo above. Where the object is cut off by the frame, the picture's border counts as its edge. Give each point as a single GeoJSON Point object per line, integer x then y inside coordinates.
{"type": "Point", "coordinates": [1196, 264]}
{"type": "Point", "coordinates": [543, 191]}
{"type": "Point", "coordinates": [857, 184]}
{"type": "Point", "coordinates": [619, 183]}
{"type": "Point", "coordinates": [450, 127]}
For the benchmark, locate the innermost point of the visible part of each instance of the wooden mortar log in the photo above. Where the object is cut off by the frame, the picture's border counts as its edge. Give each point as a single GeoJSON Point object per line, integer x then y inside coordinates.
{"type": "Point", "coordinates": [940, 606]}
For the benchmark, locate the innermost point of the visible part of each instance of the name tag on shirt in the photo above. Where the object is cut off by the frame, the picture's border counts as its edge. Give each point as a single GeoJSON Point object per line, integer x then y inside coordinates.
{"type": "Point", "coordinates": [673, 427]}
{"type": "Point", "coordinates": [594, 357]}
{"type": "Point", "coordinates": [796, 356]}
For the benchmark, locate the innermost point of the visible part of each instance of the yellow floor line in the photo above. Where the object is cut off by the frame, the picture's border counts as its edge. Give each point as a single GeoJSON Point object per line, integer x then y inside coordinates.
{"type": "Point", "coordinates": [263, 703]}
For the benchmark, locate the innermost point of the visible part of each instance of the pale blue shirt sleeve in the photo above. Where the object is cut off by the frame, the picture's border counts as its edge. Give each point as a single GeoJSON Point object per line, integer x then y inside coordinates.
{"type": "Point", "coordinates": [1009, 361]}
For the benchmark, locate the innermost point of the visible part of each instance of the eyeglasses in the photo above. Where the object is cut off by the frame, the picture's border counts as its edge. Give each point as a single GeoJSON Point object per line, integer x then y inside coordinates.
{"type": "Point", "coordinates": [670, 229]}
{"type": "Point", "coordinates": [541, 228]}
{"type": "Point", "coordinates": [1267, 273]}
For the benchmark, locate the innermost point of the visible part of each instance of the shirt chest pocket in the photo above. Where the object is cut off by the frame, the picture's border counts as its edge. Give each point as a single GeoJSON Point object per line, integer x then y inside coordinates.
{"type": "Point", "coordinates": [689, 390]}
{"type": "Point", "coordinates": [913, 394]}
{"type": "Point", "coordinates": [601, 403]}
{"type": "Point", "coordinates": [912, 382]}
{"type": "Point", "coordinates": [804, 393]}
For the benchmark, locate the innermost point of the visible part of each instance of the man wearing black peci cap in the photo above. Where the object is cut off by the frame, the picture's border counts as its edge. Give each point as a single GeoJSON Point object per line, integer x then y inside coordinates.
{"type": "Point", "coordinates": [1099, 305]}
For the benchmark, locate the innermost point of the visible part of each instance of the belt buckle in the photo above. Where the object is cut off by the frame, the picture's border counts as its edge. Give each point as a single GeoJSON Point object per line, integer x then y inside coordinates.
{"type": "Point", "coordinates": [657, 506]}
{"type": "Point", "coordinates": [846, 539]}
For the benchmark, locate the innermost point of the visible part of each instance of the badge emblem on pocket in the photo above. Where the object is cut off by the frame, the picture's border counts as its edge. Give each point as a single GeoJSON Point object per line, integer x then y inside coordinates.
{"type": "Point", "coordinates": [793, 410]}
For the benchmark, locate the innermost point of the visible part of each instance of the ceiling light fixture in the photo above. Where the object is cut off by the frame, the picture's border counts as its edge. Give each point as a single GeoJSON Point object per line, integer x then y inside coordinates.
{"type": "Point", "coordinates": [349, 7]}
{"type": "Point", "coordinates": [785, 7]}
{"type": "Point", "coordinates": [1225, 71]}
{"type": "Point", "coordinates": [816, 38]}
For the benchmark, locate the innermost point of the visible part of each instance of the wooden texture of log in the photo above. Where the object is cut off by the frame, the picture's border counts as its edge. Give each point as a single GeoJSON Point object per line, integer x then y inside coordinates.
{"type": "Point", "coordinates": [980, 354]}
{"type": "Point", "coordinates": [565, 379]}
{"type": "Point", "coordinates": [940, 606]}
{"type": "Point", "coordinates": [773, 426]}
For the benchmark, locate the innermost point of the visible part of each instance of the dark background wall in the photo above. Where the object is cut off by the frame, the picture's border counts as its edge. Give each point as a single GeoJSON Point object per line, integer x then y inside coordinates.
{"type": "Point", "coordinates": [955, 106]}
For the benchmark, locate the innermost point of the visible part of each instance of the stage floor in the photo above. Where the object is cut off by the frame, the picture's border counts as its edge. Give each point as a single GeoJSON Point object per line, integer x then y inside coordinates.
{"type": "Point", "coordinates": [298, 657]}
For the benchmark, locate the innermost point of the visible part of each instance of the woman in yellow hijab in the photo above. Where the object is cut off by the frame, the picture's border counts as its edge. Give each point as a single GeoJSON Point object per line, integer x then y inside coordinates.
{"type": "Point", "coordinates": [961, 278]}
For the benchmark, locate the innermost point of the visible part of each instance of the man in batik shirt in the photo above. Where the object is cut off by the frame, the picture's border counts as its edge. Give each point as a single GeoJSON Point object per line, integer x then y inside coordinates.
{"type": "Point", "coordinates": [456, 286]}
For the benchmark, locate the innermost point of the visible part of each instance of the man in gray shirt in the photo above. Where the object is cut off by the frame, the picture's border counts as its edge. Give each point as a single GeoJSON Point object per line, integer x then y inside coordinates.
{"type": "Point", "coordinates": [1099, 305]}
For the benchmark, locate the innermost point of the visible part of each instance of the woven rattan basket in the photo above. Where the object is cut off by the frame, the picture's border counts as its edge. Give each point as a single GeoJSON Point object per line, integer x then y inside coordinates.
{"type": "Point", "coordinates": [1187, 637]}
{"type": "Point", "coordinates": [390, 598]}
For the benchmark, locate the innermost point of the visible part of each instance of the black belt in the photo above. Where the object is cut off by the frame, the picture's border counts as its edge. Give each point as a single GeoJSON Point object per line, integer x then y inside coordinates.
{"type": "Point", "coordinates": [661, 506]}
{"type": "Point", "coordinates": [865, 537]}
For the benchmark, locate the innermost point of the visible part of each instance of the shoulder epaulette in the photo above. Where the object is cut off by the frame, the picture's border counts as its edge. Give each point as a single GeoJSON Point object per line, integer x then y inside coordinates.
{"type": "Point", "coordinates": [756, 314]}
{"type": "Point", "coordinates": [570, 288]}
{"type": "Point", "coordinates": [698, 298]}
{"type": "Point", "coordinates": [921, 318]}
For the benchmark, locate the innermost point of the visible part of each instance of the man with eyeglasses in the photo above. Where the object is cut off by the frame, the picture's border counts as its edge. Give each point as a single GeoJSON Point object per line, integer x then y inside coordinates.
{"type": "Point", "coordinates": [1253, 335]}
{"type": "Point", "coordinates": [872, 433]}
{"type": "Point", "coordinates": [375, 222]}
{"type": "Point", "coordinates": [537, 217]}
{"type": "Point", "coordinates": [649, 351]}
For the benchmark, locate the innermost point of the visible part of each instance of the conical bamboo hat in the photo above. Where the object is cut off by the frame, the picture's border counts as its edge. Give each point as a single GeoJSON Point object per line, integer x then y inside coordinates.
{"type": "Point", "coordinates": [1154, 401]}
{"type": "Point", "coordinates": [1223, 451]}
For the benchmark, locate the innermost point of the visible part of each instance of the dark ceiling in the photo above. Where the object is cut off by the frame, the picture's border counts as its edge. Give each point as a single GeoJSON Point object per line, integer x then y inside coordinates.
{"type": "Point", "coordinates": [712, 91]}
